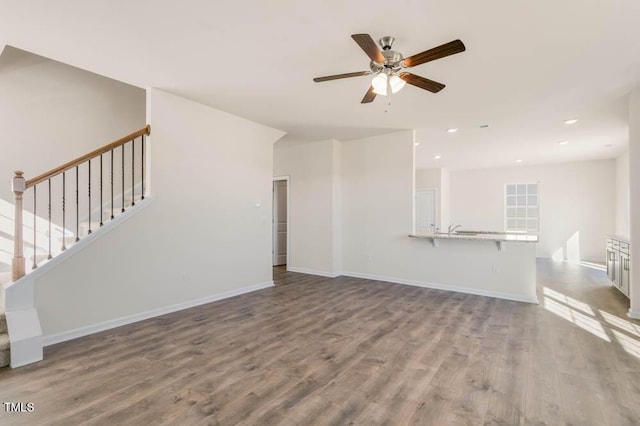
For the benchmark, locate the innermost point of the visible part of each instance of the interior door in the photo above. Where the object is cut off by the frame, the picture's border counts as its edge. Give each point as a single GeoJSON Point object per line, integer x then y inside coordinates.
{"type": "Point", "coordinates": [280, 222]}
{"type": "Point", "coordinates": [425, 211]}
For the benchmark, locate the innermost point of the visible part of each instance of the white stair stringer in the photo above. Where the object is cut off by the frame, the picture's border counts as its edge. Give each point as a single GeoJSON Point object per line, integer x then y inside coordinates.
{"type": "Point", "coordinates": [23, 324]}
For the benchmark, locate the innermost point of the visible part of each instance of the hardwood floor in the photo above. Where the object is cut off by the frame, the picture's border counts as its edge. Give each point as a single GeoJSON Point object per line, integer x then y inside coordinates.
{"type": "Point", "coordinates": [340, 351]}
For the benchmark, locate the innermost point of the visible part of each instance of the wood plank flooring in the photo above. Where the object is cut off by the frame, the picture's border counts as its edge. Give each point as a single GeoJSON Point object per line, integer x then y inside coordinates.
{"type": "Point", "coordinates": [341, 351]}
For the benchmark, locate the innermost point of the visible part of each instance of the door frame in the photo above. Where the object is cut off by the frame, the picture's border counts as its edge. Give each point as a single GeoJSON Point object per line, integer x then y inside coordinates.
{"type": "Point", "coordinates": [288, 180]}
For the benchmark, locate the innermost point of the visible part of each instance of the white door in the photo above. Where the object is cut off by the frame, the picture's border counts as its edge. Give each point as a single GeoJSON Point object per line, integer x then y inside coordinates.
{"type": "Point", "coordinates": [279, 222]}
{"type": "Point", "coordinates": [425, 211]}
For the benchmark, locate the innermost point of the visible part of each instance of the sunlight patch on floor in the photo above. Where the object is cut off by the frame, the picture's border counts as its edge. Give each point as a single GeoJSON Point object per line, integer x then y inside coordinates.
{"type": "Point", "coordinates": [621, 323]}
{"type": "Point", "coordinates": [559, 257]}
{"type": "Point", "coordinates": [592, 265]}
{"type": "Point", "coordinates": [601, 324]}
{"type": "Point", "coordinates": [629, 344]}
{"type": "Point", "coordinates": [578, 318]}
{"type": "Point", "coordinates": [569, 301]}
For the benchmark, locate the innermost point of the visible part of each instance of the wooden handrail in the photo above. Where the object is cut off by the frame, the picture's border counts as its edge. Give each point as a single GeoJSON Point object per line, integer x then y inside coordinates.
{"type": "Point", "coordinates": [73, 163]}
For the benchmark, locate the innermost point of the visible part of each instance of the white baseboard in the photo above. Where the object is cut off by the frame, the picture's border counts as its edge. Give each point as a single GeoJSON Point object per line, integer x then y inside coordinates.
{"type": "Point", "coordinates": [313, 272]}
{"type": "Point", "coordinates": [64, 336]}
{"type": "Point", "coordinates": [633, 314]}
{"type": "Point", "coordinates": [467, 290]}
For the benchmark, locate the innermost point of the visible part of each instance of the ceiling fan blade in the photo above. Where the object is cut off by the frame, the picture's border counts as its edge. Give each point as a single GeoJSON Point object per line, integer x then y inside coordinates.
{"type": "Point", "coordinates": [446, 49]}
{"type": "Point", "coordinates": [369, 96]}
{"type": "Point", "coordinates": [421, 82]}
{"type": "Point", "coordinates": [338, 76]}
{"type": "Point", "coordinates": [369, 46]}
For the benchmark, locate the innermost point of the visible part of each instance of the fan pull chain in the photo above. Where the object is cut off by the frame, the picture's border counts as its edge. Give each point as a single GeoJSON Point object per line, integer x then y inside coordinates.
{"type": "Point", "coordinates": [388, 107]}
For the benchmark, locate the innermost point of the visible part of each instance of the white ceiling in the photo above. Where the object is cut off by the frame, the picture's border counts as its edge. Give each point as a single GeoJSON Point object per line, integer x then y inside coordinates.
{"type": "Point", "coordinates": [529, 65]}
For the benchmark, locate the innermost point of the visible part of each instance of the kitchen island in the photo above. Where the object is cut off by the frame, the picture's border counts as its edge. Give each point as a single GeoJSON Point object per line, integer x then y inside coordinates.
{"type": "Point", "coordinates": [495, 264]}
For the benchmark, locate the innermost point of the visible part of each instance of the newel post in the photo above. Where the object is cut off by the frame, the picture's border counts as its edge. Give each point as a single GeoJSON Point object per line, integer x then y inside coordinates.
{"type": "Point", "coordinates": [18, 186]}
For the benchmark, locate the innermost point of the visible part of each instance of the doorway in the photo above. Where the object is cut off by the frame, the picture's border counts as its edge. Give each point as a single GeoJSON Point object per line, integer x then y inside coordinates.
{"type": "Point", "coordinates": [280, 221]}
{"type": "Point", "coordinates": [425, 211]}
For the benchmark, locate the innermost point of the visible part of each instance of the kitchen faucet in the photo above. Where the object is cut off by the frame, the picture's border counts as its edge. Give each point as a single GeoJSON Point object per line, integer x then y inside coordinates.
{"type": "Point", "coordinates": [453, 228]}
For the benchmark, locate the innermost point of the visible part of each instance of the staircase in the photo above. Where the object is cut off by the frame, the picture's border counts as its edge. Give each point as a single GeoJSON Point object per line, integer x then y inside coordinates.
{"type": "Point", "coordinates": [57, 209]}
{"type": "Point", "coordinates": [4, 342]}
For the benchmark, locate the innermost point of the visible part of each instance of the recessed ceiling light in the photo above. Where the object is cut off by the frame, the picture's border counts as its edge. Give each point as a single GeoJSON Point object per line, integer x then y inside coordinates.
{"type": "Point", "coordinates": [416, 143]}
{"type": "Point", "coordinates": [437, 157]}
{"type": "Point", "coordinates": [571, 121]}
{"type": "Point", "coordinates": [563, 142]}
{"type": "Point", "coordinates": [452, 130]}
{"type": "Point", "coordinates": [518, 161]}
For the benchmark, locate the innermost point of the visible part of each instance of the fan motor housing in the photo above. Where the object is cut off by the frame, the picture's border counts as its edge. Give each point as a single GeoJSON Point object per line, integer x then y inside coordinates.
{"type": "Point", "coordinates": [392, 59]}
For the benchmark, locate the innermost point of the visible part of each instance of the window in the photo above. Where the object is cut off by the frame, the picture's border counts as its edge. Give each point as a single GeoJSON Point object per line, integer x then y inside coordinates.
{"type": "Point", "coordinates": [521, 207]}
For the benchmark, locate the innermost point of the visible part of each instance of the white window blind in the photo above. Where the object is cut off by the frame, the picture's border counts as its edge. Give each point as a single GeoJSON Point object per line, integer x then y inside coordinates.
{"type": "Point", "coordinates": [521, 207]}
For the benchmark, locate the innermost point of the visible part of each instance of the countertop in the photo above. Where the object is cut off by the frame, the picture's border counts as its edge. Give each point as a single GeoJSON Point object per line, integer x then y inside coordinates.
{"type": "Point", "coordinates": [480, 236]}
{"type": "Point", "coordinates": [617, 238]}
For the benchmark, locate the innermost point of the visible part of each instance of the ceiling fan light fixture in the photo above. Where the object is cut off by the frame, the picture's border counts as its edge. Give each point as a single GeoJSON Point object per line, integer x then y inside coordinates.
{"type": "Point", "coordinates": [387, 63]}
{"type": "Point", "coordinates": [396, 83]}
{"type": "Point", "coordinates": [379, 84]}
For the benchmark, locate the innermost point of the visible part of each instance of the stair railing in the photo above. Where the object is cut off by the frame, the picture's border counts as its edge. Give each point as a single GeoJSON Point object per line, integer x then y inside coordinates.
{"type": "Point", "coordinates": [123, 176]}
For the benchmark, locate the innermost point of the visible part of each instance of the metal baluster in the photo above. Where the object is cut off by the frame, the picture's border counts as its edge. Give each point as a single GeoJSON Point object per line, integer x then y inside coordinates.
{"type": "Point", "coordinates": [49, 256]}
{"type": "Point", "coordinates": [35, 264]}
{"type": "Point", "coordinates": [101, 214]}
{"type": "Point", "coordinates": [142, 155]}
{"type": "Point", "coordinates": [77, 208]}
{"type": "Point", "coordinates": [64, 225]}
{"type": "Point", "coordinates": [122, 178]}
{"type": "Point", "coordinates": [89, 197]}
{"type": "Point", "coordinates": [133, 171]}
{"type": "Point", "coordinates": [111, 171]}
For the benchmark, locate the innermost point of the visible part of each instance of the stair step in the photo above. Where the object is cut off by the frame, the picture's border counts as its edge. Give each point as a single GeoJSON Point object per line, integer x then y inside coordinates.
{"type": "Point", "coordinates": [67, 240]}
{"type": "Point", "coordinates": [3, 324]}
{"type": "Point", "coordinates": [95, 224]}
{"type": "Point", "coordinates": [5, 355]}
{"type": "Point", "coordinates": [39, 257]}
{"type": "Point", "coordinates": [106, 213]}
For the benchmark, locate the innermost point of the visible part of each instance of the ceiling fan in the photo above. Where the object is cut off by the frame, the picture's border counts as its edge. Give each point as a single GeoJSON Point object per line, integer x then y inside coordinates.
{"type": "Point", "coordinates": [387, 65]}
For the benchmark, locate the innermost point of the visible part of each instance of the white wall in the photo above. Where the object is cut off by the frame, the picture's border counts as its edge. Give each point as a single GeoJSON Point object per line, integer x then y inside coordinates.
{"type": "Point", "coordinates": [634, 199]}
{"type": "Point", "coordinates": [314, 178]}
{"type": "Point", "coordinates": [445, 198]}
{"type": "Point", "coordinates": [202, 234]}
{"type": "Point", "coordinates": [377, 194]}
{"type": "Point", "coordinates": [622, 196]}
{"type": "Point", "coordinates": [428, 179]}
{"type": "Point", "coordinates": [577, 204]}
{"type": "Point", "coordinates": [51, 113]}
{"type": "Point", "coordinates": [337, 207]}
{"type": "Point", "coordinates": [377, 201]}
